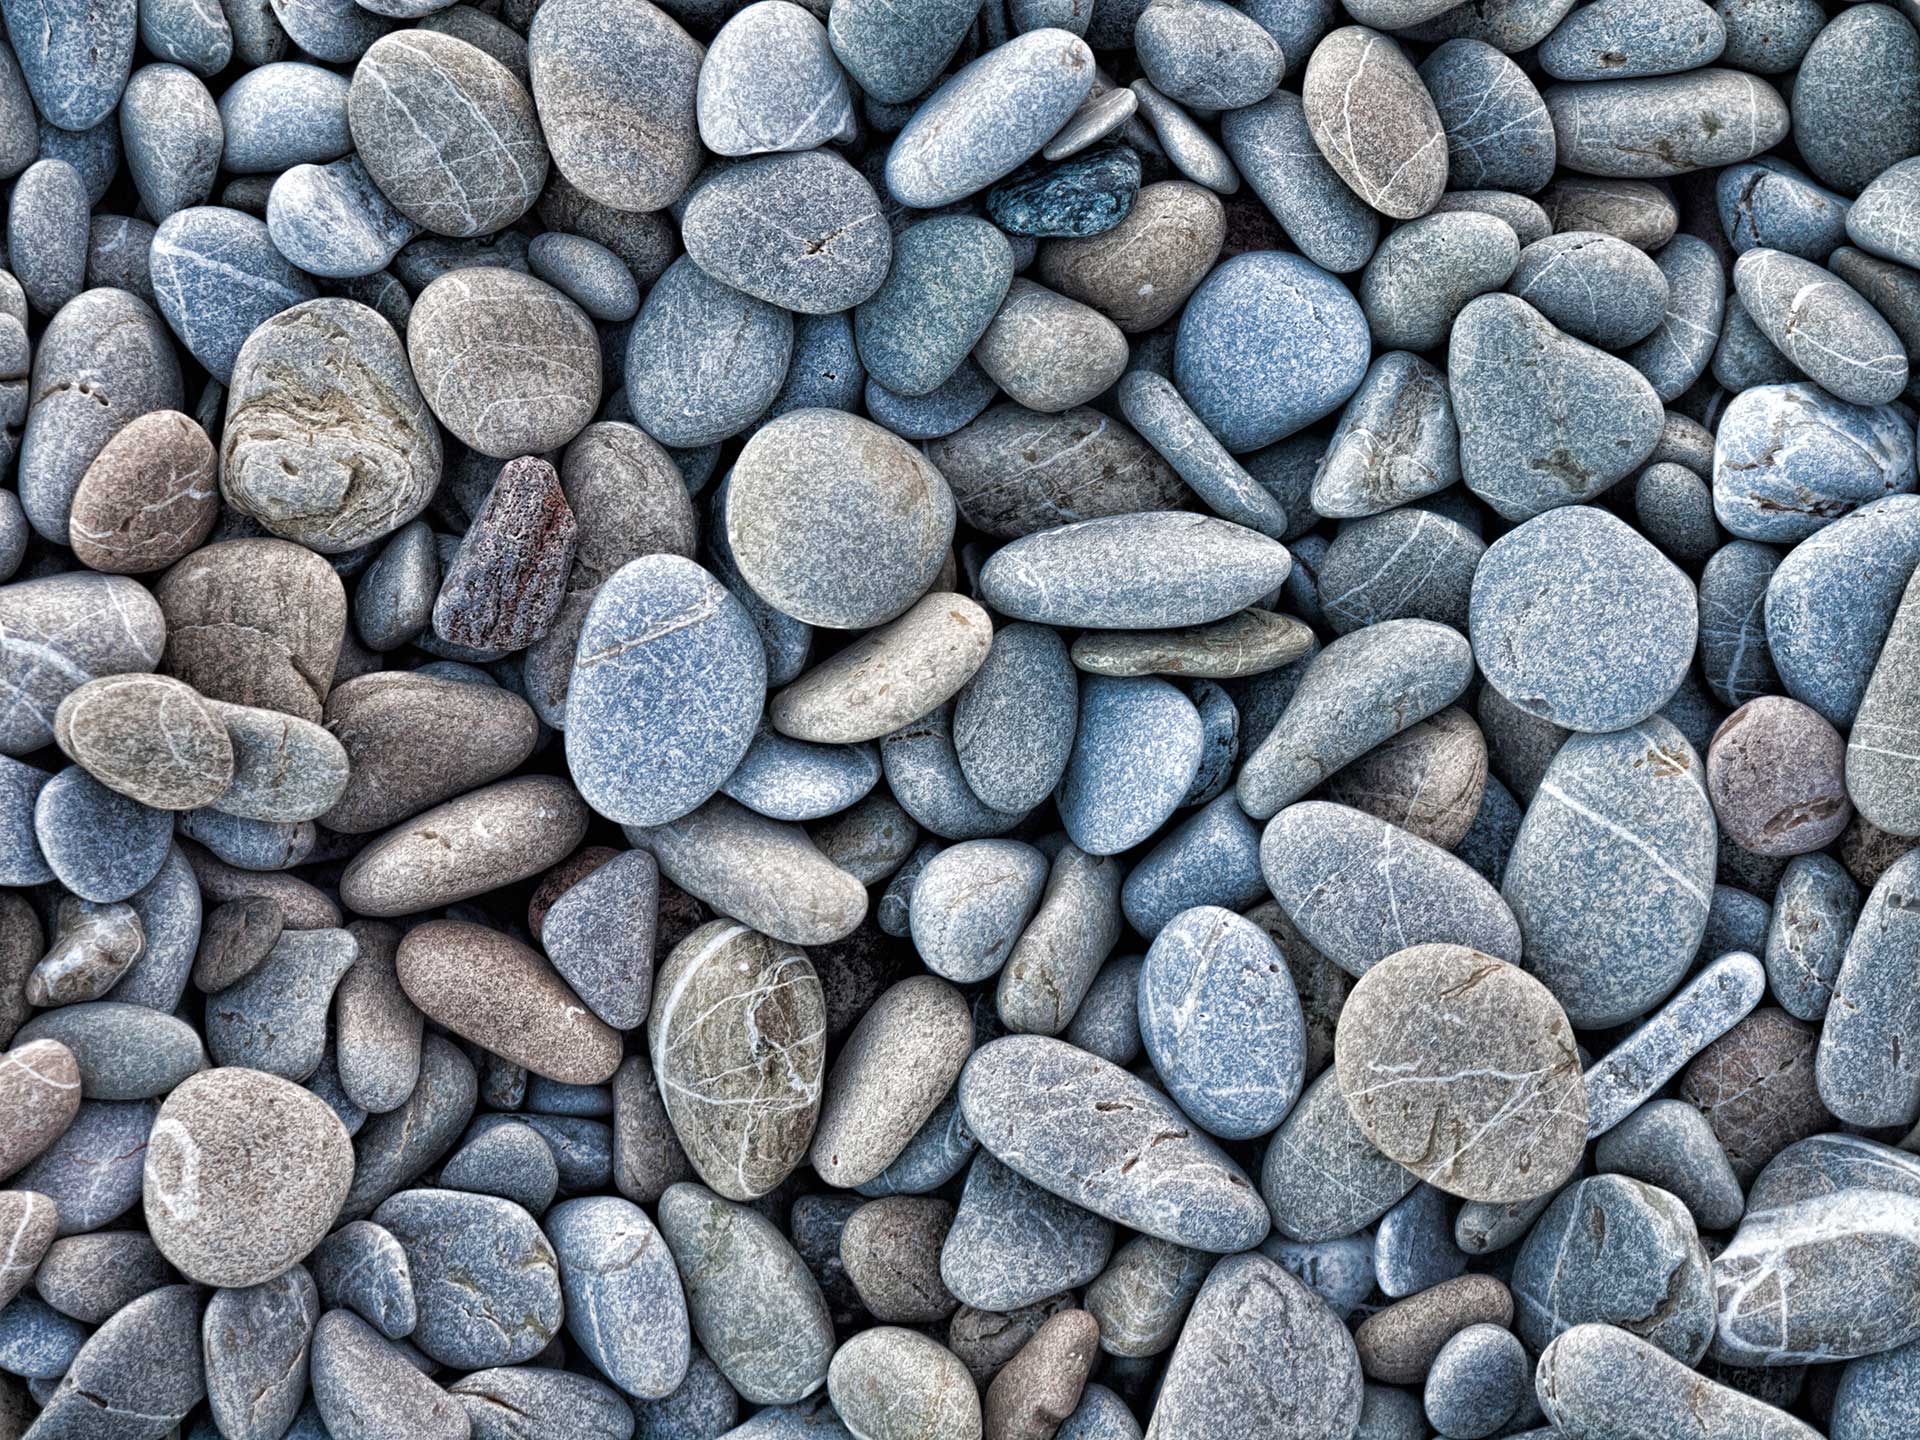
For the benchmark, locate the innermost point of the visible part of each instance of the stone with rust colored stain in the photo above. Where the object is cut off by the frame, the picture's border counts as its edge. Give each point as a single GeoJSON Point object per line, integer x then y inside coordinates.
{"type": "Point", "coordinates": [510, 575]}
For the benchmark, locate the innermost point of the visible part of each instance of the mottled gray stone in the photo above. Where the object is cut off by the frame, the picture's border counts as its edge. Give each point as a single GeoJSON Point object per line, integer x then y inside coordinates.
{"type": "Point", "coordinates": [1339, 1271]}
{"type": "Point", "coordinates": [1426, 272]}
{"type": "Point", "coordinates": [1616, 856]}
{"type": "Point", "coordinates": [1812, 918]}
{"type": "Point", "coordinates": [1395, 443]}
{"type": "Point", "coordinates": [1392, 150]}
{"type": "Point", "coordinates": [90, 1277]}
{"type": "Point", "coordinates": [255, 1343]}
{"type": "Point", "coordinates": [890, 1251]}
{"type": "Point", "coordinates": [397, 1147]}
{"type": "Point", "coordinates": [332, 220]}
{"type": "Point", "coordinates": [485, 1280]}
{"type": "Point", "coordinates": [986, 120]}
{"type": "Point", "coordinates": [892, 1384]}
{"type": "Point", "coordinates": [674, 391]}
{"type": "Point", "coordinates": [1428, 780]}
{"type": "Point", "coordinates": [1141, 271]}
{"type": "Point", "coordinates": [47, 233]}
{"type": "Point", "coordinates": [1012, 1244]}
{"type": "Point", "coordinates": [1880, 767]}
{"type": "Point", "coordinates": [1865, 1066]}
{"type": "Point", "coordinates": [755, 1308]}
{"type": "Point", "coordinates": [1014, 720]}
{"type": "Point", "coordinates": [1141, 1300]}
{"type": "Point", "coordinates": [1274, 149]}
{"type": "Point", "coordinates": [1050, 353]}
{"type": "Point", "coordinates": [1208, 54]}
{"type": "Point", "coordinates": [623, 1300]}
{"type": "Point", "coordinates": [363, 1267]}
{"type": "Point", "coordinates": [507, 363]}
{"type": "Point", "coordinates": [802, 231]}
{"type": "Point", "coordinates": [125, 1052]}
{"type": "Point", "coordinates": [173, 137]}
{"type": "Point", "coordinates": [37, 1343]}
{"type": "Point", "coordinates": [1339, 712]}
{"type": "Point", "coordinates": [197, 255]}
{"type": "Point", "coordinates": [27, 1220]}
{"type": "Point", "coordinates": [1399, 1343]}
{"type": "Point", "coordinates": [1595, 287]}
{"type": "Point", "coordinates": [1322, 1177]}
{"type": "Point", "coordinates": [1413, 1245]}
{"type": "Point", "coordinates": [1101, 1415]}
{"type": "Point", "coordinates": [276, 1018]}
{"type": "Point", "coordinates": [244, 1174]}
{"type": "Point", "coordinates": [282, 114]}
{"type": "Point", "coordinates": [368, 1388]}
{"type": "Point", "coordinates": [1498, 131]}
{"type": "Point", "coordinates": [101, 845]}
{"type": "Point", "coordinates": [510, 1401]}
{"type": "Point", "coordinates": [1225, 1378]}
{"type": "Point", "coordinates": [1712, 1003]}
{"type": "Point", "coordinates": [770, 82]}
{"type": "Point", "coordinates": [1677, 353]}
{"type": "Point", "coordinates": [93, 946]}
{"type": "Point", "coordinates": [1028, 1098]}
{"type": "Point", "coordinates": [136, 1377]}
{"type": "Point", "coordinates": [1823, 325]}
{"type": "Point", "coordinates": [1880, 220]}
{"type": "Point", "coordinates": [766, 873]}
{"type": "Point", "coordinates": [971, 904]}
{"type": "Point", "coordinates": [1665, 126]}
{"type": "Point", "coordinates": [1211, 858]}
{"type": "Point", "coordinates": [1874, 1397]}
{"type": "Point", "coordinates": [1669, 1144]}
{"type": "Point", "coordinates": [1854, 111]}
{"type": "Point", "coordinates": [1596, 1378]}
{"type": "Point", "coordinates": [1063, 947]}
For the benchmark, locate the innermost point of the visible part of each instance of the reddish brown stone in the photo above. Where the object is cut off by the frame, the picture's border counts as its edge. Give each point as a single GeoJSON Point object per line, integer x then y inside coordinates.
{"type": "Point", "coordinates": [506, 584]}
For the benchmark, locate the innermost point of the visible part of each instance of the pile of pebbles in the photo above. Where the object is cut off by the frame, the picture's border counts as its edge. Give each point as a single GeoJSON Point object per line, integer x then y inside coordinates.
{"type": "Point", "coordinates": [888, 720]}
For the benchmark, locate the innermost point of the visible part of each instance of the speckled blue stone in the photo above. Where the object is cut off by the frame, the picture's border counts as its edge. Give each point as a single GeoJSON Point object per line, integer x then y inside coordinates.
{"type": "Point", "coordinates": [99, 844]}
{"type": "Point", "coordinates": [284, 114]}
{"type": "Point", "coordinates": [787, 642]}
{"type": "Point", "coordinates": [92, 1173]}
{"type": "Point", "coordinates": [1100, 1415]}
{"type": "Point", "coordinates": [1339, 1271]}
{"type": "Point", "coordinates": [1408, 563]}
{"type": "Point", "coordinates": [331, 220]}
{"type": "Point", "coordinates": [1013, 721]}
{"type": "Point", "coordinates": [1576, 619]}
{"type": "Point", "coordinates": [1107, 1023]}
{"type": "Point", "coordinates": [1595, 287]}
{"type": "Point", "coordinates": [37, 1342]}
{"type": "Point", "coordinates": [1154, 570]}
{"type": "Point", "coordinates": [941, 411]}
{"type": "Point", "coordinates": [1359, 889]}
{"type": "Point", "coordinates": [1867, 1068]}
{"type": "Point", "coordinates": [1813, 915]}
{"type": "Point", "coordinates": [1268, 344]}
{"type": "Point", "coordinates": [75, 58]}
{"type": "Point", "coordinates": [1135, 754]}
{"type": "Point", "coordinates": [1219, 741]}
{"type": "Point", "coordinates": [1611, 874]}
{"type": "Point", "coordinates": [1222, 1022]}
{"type": "Point", "coordinates": [1829, 330]}
{"type": "Point", "coordinates": [924, 773]}
{"type": "Point", "coordinates": [21, 862]}
{"type": "Point", "coordinates": [1489, 840]}
{"type": "Point", "coordinates": [1012, 1243]}
{"type": "Point", "coordinates": [624, 1306]}
{"type": "Point", "coordinates": [47, 234]}
{"type": "Point", "coordinates": [1736, 920]}
{"type": "Point", "coordinates": [1832, 600]}
{"type": "Point", "coordinates": [1545, 419]}
{"type": "Point", "coordinates": [1790, 459]}
{"type": "Point", "coordinates": [1364, 688]}
{"type": "Point", "coordinates": [362, 1267]}
{"type": "Point", "coordinates": [1734, 656]}
{"type": "Point", "coordinates": [1679, 350]}
{"type": "Point", "coordinates": [677, 396]}
{"type": "Point", "coordinates": [1855, 107]}
{"type": "Point", "coordinates": [1671, 1144]}
{"type": "Point", "coordinates": [668, 681]}
{"type": "Point", "coordinates": [896, 52]}
{"type": "Point", "coordinates": [1211, 858]}
{"type": "Point", "coordinates": [1396, 441]}
{"type": "Point", "coordinates": [172, 134]}
{"type": "Point", "coordinates": [1627, 39]}
{"type": "Point", "coordinates": [1769, 204]}
{"type": "Point", "coordinates": [949, 275]}
{"type": "Point", "coordinates": [1087, 194]}
{"type": "Point", "coordinates": [217, 275]}
{"type": "Point", "coordinates": [1413, 1247]}
{"type": "Point", "coordinates": [1479, 1380]}
{"type": "Point", "coordinates": [1499, 134]}
{"type": "Point", "coordinates": [787, 779]}
{"type": "Point", "coordinates": [970, 905]}
{"type": "Point", "coordinates": [1207, 54]}
{"type": "Point", "coordinates": [1426, 273]}
{"type": "Point", "coordinates": [825, 372]}
{"type": "Point", "coordinates": [1272, 147]}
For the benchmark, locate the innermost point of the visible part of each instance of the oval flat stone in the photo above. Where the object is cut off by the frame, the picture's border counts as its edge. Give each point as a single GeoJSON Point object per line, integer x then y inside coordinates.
{"type": "Point", "coordinates": [1854, 113]}
{"type": "Point", "coordinates": [362, 1266]}
{"type": "Point", "coordinates": [1545, 419]}
{"type": "Point", "coordinates": [1577, 619]}
{"type": "Point", "coordinates": [1268, 344]}
{"type": "Point", "coordinates": [1224, 1380]}
{"type": "Point", "coordinates": [889, 677]}
{"type": "Point", "coordinates": [1481, 1107]}
{"type": "Point", "coordinates": [489, 988]}
{"type": "Point", "coordinates": [738, 1039]}
{"type": "Point", "coordinates": [256, 1345]}
{"type": "Point", "coordinates": [148, 737]}
{"type": "Point", "coordinates": [666, 653]}
{"type": "Point", "coordinates": [485, 1279]}
{"type": "Point", "coordinates": [1774, 774]}
{"type": "Point", "coordinates": [64, 630]}
{"type": "Point", "coordinates": [1135, 753]}
{"type": "Point", "coordinates": [986, 120]}
{"type": "Point", "coordinates": [768, 874]}
{"type": "Point", "coordinates": [1096, 574]}
{"type": "Point", "coordinates": [1678, 351]}
{"type": "Point", "coordinates": [1093, 1134]}
{"type": "Point", "coordinates": [890, 1076]}
{"type": "Point", "coordinates": [1880, 765]}
{"type": "Point", "coordinates": [673, 396]}
{"type": "Point", "coordinates": [1790, 459]}
{"type": "Point", "coordinates": [148, 498]}
{"type": "Point", "coordinates": [125, 1052]}
{"type": "Point", "coordinates": [484, 839]}
{"type": "Point", "coordinates": [1014, 720]}
{"type": "Point", "coordinates": [1498, 131]}
{"type": "Point", "coordinates": [1665, 126]}
{"type": "Point", "coordinates": [1013, 1244]}
{"type": "Point", "coordinates": [1272, 146]}
{"type": "Point", "coordinates": [893, 1383]}
{"type": "Point", "coordinates": [1823, 325]}
{"type": "Point", "coordinates": [100, 844]}
{"type": "Point", "coordinates": [622, 1294]}
{"type": "Point", "coordinates": [506, 362]}
{"type": "Point", "coordinates": [949, 275]}
{"type": "Point", "coordinates": [1425, 273]}
{"type": "Point", "coordinates": [245, 1173]}
{"type": "Point", "coordinates": [367, 1388]}
{"type": "Point", "coordinates": [1864, 1065]}
{"type": "Point", "coordinates": [1222, 1022]}
{"type": "Point", "coordinates": [1358, 692]}
{"type": "Point", "coordinates": [1614, 1251]}
{"type": "Point", "coordinates": [196, 255]}
{"type": "Point", "coordinates": [754, 1307]}
{"type": "Point", "coordinates": [1615, 857]}
{"type": "Point", "coordinates": [1398, 1344]}
{"type": "Point", "coordinates": [847, 545]}
{"type": "Point", "coordinates": [1360, 889]}
{"type": "Point", "coordinates": [770, 82]}
{"type": "Point", "coordinates": [1062, 949]}
{"type": "Point", "coordinates": [802, 231]}
{"type": "Point", "coordinates": [1373, 119]}
{"type": "Point", "coordinates": [1139, 272]}
{"type": "Point", "coordinates": [1595, 287]}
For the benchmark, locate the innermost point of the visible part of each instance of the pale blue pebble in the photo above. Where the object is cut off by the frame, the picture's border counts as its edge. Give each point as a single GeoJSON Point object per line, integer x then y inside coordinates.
{"type": "Point", "coordinates": [1272, 147]}
{"type": "Point", "coordinates": [1211, 858]}
{"type": "Point", "coordinates": [1188, 147]}
{"type": "Point", "coordinates": [1100, 1415]}
{"type": "Point", "coordinates": [825, 372]}
{"type": "Point", "coordinates": [1627, 39]}
{"type": "Point", "coordinates": [1744, 357]}
{"type": "Point", "coordinates": [787, 779]}
{"type": "Point", "coordinates": [1681, 347]}
{"type": "Point", "coordinates": [173, 137]}
{"type": "Point", "coordinates": [1736, 920]}
{"type": "Point", "coordinates": [1734, 655]}
{"type": "Point", "coordinates": [1135, 754]}
{"type": "Point", "coordinates": [332, 221]}
{"type": "Point", "coordinates": [1478, 1381]}
{"type": "Point", "coordinates": [1769, 204]}
{"type": "Point", "coordinates": [199, 258]}
{"type": "Point", "coordinates": [94, 152]}
{"type": "Point", "coordinates": [1790, 459]}
{"type": "Point", "coordinates": [1107, 1023]}
{"type": "Point", "coordinates": [924, 772]}
{"type": "Point", "coordinates": [193, 33]}
{"type": "Point", "coordinates": [676, 398]}
{"type": "Point", "coordinates": [1489, 840]}
{"type": "Point", "coordinates": [957, 400]}
{"type": "Point", "coordinates": [1165, 421]}
{"type": "Point", "coordinates": [75, 58]}
{"type": "Point", "coordinates": [37, 1342]}
{"type": "Point", "coordinates": [1012, 1243]}
{"type": "Point", "coordinates": [1595, 287]}
{"type": "Point", "coordinates": [1339, 1271]}
{"type": "Point", "coordinates": [47, 230]}
{"type": "Point", "coordinates": [1813, 915]}
{"type": "Point", "coordinates": [100, 844]}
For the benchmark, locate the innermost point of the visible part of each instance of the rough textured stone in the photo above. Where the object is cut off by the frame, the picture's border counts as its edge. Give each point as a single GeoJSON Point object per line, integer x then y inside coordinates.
{"type": "Point", "coordinates": [1391, 150]}
{"type": "Point", "coordinates": [893, 1383]}
{"type": "Point", "coordinates": [485, 1279]}
{"type": "Point", "coordinates": [149, 738]}
{"type": "Point", "coordinates": [623, 1301]}
{"type": "Point", "coordinates": [367, 1388]}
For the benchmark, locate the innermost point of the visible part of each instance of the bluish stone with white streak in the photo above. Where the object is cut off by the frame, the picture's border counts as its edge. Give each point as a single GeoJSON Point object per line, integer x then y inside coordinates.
{"type": "Point", "coordinates": [1222, 1022]}
{"type": "Point", "coordinates": [1868, 1063]}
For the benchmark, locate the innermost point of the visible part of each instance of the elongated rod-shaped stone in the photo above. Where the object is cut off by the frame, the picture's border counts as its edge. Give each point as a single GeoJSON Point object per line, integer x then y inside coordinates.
{"type": "Point", "coordinates": [1716, 1000]}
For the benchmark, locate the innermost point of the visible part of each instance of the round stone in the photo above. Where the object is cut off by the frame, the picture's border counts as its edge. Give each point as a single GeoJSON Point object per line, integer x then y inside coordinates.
{"type": "Point", "coordinates": [506, 362]}
{"type": "Point", "coordinates": [1775, 773]}
{"type": "Point", "coordinates": [770, 82]}
{"type": "Point", "coordinates": [447, 132]}
{"type": "Point", "coordinates": [1478, 1381]}
{"type": "Point", "coordinates": [623, 1301]}
{"type": "Point", "coordinates": [245, 1174]}
{"type": "Point", "coordinates": [1790, 460]}
{"type": "Point", "coordinates": [1594, 287]}
{"type": "Point", "coordinates": [677, 398]}
{"type": "Point", "coordinates": [667, 654]}
{"type": "Point", "coordinates": [1268, 344]}
{"type": "Point", "coordinates": [1577, 619]}
{"type": "Point", "coordinates": [1854, 109]}
{"type": "Point", "coordinates": [896, 1384]}
{"type": "Point", "coordinates": [971, 904]}
{"type": "Point", "coordinates": [327, 441]}
{"type": "Point", "coordinates": [835, 521]}
{"type": "Point", "coordinates": [1443, 1077]}
{"type": "Point", "coordinates": [738, 1040]}
{"type": "Point", "coordinates": [1140, 271]}
{"type": "Point", "coordinates": [1827, 329]}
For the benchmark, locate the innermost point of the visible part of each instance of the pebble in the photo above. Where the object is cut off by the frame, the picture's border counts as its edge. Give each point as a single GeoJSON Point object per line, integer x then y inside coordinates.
{"type": "Point", "coordinates": [1040, 1386]}
{"type": "Point", "coordinates": [256, 1345]}
{"type": "Point", "coordinates": [1392, 152]}
{"type": "Point", "coordinates": [894, 1383]}
{"type": "Point", "coordinates": [1845, 346]}
{"type": "Point", "coordinates": [1669, 1145]}
{"type": "Point", "coordinates": [149, 738]}
{"type": "Point", "coordinates": [125, 1052]}
{"type": "Point", "coordinates": [1756, 1086]}
{"type": "Point", "coordinates": [1879, 772]}
{"type": "Point", "coordinates": [1774, 774]}
{"type": "Point", "coordinates": [367, 1388]}
{"type": "Point", "coordinates": [221, 1197]}
{"type": "Point", "coordinates": [1497, 127]}
{"type": "Point", "coordinates": [1056, 958]}
{"type": "Point", "coordinates": [1221, 1381]}
{"type": "Point", "coordinates": [101, 845]}
{"type": "Point", "coordinates": [1165, 421]}
{"type": "Point", "coordinates": [1268, 344]}
{"type": "Point", "coordinates": [1086, 195]}
{"type": "Point", "coordinates": [137, 1373]}
{"type": "Point", "coordinates": [148, 497]}
{"type": "Point", "coordinates": [770, 82]}
{"type": "Point", "coordinates": [1648, 128]}
{"type": "Point", "coordinates": [1596, 1377]}
{"type": "Point", "coordinates": [197, 253]}
{"type": "Point", "coordinates": [1272, 145]}
{"type": "Point", "coordinates": [867, 1114]}
{"type": "Point", "coordinates": [1478, 1382]}
{"type": "Point", "coordinates": [801, 231]}
{"type": "Point", "coordinates": [1050, 353]}
{"type": "Point", "coordinates": [1853, 116]}
{"type": "Point", "coordinates": [1182, 1189]}
{"type": "Point", "coordinates": [363, 1267]}
{"type": "Point", "coordinates": [623, 1301]}
{"type": "Point", "coordinates": [756, 1311]}
{"type": "Point", "coordinates": [1864, 1067]}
